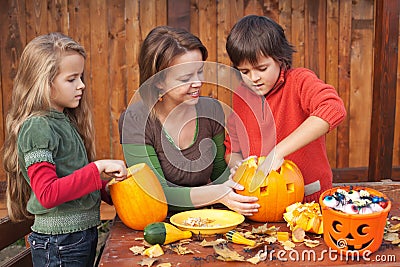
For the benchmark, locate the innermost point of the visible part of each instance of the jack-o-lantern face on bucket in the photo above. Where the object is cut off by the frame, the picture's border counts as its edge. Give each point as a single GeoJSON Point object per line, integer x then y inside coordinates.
{"type": "Point", "coordinates": [277, 191]}
{"type": "Point", "coordinates": [353, 232]}
{"type": "Point", "coordinates": [346, 235]}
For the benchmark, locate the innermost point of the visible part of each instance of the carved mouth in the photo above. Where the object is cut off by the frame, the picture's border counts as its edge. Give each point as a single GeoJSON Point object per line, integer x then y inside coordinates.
{"type": "Point", "coordinates": [351, 247]}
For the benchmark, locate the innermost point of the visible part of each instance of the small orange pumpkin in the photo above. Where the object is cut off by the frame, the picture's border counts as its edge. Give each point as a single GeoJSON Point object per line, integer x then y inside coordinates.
{"type": "Point", "coordinates": [139, 200]}
{"type": "Point", "coordinates": [275, 192]}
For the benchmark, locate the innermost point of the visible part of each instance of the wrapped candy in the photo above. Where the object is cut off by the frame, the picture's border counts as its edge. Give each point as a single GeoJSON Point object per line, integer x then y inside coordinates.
{"type": "Point", "coordinates": [355, 201]}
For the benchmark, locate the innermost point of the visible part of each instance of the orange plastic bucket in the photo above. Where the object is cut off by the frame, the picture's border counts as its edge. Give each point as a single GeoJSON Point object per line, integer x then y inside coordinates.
{"type": "Point", "coordinates": [353, 234]}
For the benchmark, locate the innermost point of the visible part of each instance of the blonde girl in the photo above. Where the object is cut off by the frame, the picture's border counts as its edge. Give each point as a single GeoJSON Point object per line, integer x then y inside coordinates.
{"type": "Point", "coordinates": [49, 154]}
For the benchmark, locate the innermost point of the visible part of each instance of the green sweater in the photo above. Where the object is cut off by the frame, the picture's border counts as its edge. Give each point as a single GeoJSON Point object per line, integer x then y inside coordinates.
{"type": "Point", "coordinates": [53, 138]}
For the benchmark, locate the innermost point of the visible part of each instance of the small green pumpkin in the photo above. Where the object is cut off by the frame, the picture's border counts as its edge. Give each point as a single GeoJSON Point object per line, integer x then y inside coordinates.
{"type": "Point", "coordinates": [164, 233]}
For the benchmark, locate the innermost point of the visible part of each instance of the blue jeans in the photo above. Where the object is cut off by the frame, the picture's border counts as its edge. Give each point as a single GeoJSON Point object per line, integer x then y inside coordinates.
{"type": "Point", "coordinates": [76, 249]}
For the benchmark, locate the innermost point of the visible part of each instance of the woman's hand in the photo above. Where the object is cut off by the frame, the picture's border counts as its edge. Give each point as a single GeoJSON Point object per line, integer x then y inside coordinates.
{"type": "Point", "coordinates": [114, 168]}
{"type": "Point", "coordinates": [244, 205]}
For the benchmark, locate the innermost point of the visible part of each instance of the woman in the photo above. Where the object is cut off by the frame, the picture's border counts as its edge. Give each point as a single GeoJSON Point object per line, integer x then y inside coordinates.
{"type": "Point", "coordinates": [175, 131]}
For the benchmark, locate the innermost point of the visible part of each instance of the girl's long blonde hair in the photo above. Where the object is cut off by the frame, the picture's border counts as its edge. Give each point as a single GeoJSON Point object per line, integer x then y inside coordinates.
{"type": "Point", "coordinates": [39, 65]}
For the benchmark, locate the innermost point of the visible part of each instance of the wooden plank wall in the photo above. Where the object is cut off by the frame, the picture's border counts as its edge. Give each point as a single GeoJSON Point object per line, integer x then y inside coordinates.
{"type": "Point", "coordinates": [334, 38]}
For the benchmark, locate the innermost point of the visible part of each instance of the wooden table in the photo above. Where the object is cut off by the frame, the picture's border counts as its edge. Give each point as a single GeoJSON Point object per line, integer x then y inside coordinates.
{"type": "Point", "coordinates": [121, 238]}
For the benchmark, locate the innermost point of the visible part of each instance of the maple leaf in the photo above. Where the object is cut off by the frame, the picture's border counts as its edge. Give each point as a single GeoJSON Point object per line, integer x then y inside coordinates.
{"type": "Point", "coordinates": [264, 230]}
{"type": "Point", "coordinates": [181, 250]}
{"type": "Point", "coordinates": [225, 254]}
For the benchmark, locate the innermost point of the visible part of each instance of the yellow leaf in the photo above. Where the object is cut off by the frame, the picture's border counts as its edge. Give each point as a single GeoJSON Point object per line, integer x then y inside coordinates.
{"type": "Point", "coordinates": [396, 242]}
{"type": "Point", "coordinates": [153, 251]}
{"type": "Point", "coordinates": [395, 227]}
{"type": "Point", "coordinates": [288, 245]}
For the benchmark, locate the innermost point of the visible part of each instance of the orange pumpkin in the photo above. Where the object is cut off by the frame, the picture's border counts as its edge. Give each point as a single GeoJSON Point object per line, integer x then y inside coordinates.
{"type": "Point", "coordinates": [139, 200]}
{"type": "Point", "coordinates": [274, 192]}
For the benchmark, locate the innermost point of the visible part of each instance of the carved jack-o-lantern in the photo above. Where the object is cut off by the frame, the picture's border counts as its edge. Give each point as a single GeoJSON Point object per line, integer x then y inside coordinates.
{"type": "Point", "coordinates": [274, 192]}
{"type": "Point", "coordinates": [348, 233]}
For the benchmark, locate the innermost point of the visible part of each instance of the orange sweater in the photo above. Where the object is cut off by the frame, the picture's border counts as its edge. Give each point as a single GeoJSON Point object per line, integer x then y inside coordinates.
{"type": "Point", "coordinates": [259, 123]}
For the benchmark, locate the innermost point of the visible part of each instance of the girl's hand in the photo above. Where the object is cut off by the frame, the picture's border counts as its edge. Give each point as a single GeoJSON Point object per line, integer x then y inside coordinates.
{"type": "Point", "coordinates": [242, 204]}
{"type": "Point", "coordinates": [114, 168]}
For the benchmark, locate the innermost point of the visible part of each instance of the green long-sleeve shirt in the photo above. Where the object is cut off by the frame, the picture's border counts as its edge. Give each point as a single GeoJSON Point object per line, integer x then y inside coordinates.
{"type": "Point", "coordinates": [144, 140]}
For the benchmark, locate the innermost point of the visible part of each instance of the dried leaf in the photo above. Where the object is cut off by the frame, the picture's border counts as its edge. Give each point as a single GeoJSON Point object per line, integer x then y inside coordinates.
{"type": "Point", "coordinates": [166, 264]}
{"type": "Point", "coordinates": [270, 239]}
{"type": "Point", "coordinates": [288, 245]}
{"type": "Point", "coordinates": [311, 243]}
{"type": "Point", "coordinates": [137, 250]}
{"type": "Point", "coordinates": [225, 254]}
{"type": "Point", "coordinates": [390, 236]}
{"type": "Point", "coordinates": [396, 242]}
{"type": "Point", "coordinates": [254, 260]}
{"type": "Point", "coordinates": [185, 241]}
{"type": "Point", "coordinates": [395, 227]}
{"type": "Point", "coordinates": [257, 245]}
{"type": "Point", "coordinates": [260, 256]}
{"type": "Point", "coordinates": [153, 251]}
{"type": "Point", "coordinates": [206, 243]}
{"type": "Point", "coordinates": [249, 234]}
{"type": "Point", "coordinates": [147, 262]}
{"type": "Point", "coordinates": [181, 250]}
{"type": "Point", "coordinates": [264, 230]}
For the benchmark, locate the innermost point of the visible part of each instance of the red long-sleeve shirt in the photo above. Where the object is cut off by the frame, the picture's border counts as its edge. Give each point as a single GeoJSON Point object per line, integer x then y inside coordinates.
{"type": "Point", "coordinates": [52, 191]}
{"type": "Point", "coordinates": [299, 93]}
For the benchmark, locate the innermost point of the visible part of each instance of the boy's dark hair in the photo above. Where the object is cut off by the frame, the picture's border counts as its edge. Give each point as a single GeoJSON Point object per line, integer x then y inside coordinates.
{"type": "Point", "coordinates": [253, 36]}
